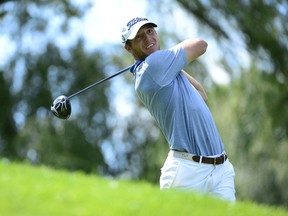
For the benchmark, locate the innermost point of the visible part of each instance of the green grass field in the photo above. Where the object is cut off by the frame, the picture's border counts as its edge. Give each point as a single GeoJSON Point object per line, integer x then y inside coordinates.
{"type": "Point", "coordinates": [39, 191]}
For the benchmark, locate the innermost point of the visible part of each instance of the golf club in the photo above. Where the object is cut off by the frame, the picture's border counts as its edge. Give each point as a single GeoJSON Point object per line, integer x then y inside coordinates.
{"type": "Point", "coordinates": [61, 106]}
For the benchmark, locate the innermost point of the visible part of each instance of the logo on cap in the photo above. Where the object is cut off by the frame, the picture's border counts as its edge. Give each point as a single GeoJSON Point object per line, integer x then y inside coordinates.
{"type": "Point", "coordinates": [134, 21]}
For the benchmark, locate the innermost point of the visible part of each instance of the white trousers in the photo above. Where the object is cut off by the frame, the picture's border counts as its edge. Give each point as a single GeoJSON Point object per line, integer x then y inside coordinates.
{"type": "Point", "coordinates": [217, 180]}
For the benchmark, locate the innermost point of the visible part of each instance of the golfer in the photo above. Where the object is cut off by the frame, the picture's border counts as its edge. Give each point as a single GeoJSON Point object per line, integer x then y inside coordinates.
{"type": "Point", "coordinates": [197, 160]}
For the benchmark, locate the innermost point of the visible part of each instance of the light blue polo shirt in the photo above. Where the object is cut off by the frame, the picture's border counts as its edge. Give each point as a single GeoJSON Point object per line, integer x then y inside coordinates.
{"type": "Point", "coordinates": [176, 105]}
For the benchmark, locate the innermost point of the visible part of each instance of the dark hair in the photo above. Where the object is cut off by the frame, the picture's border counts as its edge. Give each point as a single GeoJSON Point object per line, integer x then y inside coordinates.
{"type": "Point", "coordinates": [128, 43]}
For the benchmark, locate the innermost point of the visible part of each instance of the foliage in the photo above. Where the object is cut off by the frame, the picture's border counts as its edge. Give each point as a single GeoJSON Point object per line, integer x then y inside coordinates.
{"type": "Point", "coordinates": [28, 190]}
{"type": "Point", "coordinates": [33, 77]}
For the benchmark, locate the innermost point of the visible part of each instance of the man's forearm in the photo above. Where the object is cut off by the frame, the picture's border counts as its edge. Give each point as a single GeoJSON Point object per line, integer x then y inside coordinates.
{"type": "Point", "coordinates": [197, 86]}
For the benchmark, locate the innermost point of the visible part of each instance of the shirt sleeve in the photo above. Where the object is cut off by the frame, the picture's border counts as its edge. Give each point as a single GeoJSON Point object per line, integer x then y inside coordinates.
{"type": "Point", "coordinates": [164, 65]}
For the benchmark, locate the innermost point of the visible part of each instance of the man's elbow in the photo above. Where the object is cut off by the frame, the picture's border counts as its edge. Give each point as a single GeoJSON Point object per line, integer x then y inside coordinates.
{"type": "Point", "coordinates": [194, 48]}
{"type": "Point", "coordinates": [204, 45]}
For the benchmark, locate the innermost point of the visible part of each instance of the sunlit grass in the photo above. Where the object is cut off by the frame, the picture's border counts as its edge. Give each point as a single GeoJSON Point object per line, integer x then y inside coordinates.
{"type": "Point", "coordinates": [28, 190]}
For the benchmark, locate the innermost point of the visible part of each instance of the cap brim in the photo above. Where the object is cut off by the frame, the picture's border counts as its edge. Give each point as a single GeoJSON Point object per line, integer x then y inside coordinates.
{"type": "Point", "coordinates": [137, 27]}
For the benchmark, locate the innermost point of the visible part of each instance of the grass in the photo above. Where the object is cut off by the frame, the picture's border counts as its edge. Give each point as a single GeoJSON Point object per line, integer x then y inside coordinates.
{"type": "Point", "coordinates": [40, 191]}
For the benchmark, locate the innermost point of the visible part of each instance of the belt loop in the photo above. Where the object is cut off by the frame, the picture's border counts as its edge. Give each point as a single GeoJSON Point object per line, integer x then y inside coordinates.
{"type": "Point", "coordinates": [200, 160]}
{"type": "Point", "coordinates": [215, 161]}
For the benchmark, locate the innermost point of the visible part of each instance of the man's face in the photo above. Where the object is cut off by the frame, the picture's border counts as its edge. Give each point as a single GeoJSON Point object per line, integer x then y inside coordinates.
{"type": "Point", "coordinates": [145, 42]}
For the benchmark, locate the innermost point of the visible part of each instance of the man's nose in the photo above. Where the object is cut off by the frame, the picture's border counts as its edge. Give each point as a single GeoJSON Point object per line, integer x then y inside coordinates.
{"type": "Point", "coordinates": [146, 36]}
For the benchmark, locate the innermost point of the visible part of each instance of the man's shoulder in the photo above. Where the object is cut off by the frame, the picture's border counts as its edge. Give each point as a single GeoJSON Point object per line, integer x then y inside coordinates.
{"type": "Point", "coordinates": [163, 55]}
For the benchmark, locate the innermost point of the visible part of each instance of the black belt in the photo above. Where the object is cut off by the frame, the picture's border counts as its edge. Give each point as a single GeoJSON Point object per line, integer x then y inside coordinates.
{"type": "Point", "coordinates": [216, 161]}
{"type": "Point", "coordinates": [200, 159]}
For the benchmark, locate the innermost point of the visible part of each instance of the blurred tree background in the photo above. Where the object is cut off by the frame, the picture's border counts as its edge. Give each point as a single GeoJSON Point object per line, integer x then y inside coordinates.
{"type": "Point", "coordinates": [44, 59]}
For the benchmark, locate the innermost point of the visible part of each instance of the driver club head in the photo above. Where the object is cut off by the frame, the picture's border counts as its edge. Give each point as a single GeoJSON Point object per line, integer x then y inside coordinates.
{"type": "Point", "coordinates": [61, 107]}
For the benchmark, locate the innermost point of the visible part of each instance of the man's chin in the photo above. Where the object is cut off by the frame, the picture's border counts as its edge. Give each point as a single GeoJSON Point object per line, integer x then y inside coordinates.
{"type": "Point", "coordinates": [151, 51]}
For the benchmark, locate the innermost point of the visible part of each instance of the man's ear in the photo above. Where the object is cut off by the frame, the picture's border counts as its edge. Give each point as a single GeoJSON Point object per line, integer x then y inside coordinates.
{"type": "Point", "coordinates": [128, 48]}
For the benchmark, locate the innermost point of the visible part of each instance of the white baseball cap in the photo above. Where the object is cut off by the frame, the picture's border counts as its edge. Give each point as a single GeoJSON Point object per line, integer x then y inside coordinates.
{"type": "Point", "coordinates": [130, 30]}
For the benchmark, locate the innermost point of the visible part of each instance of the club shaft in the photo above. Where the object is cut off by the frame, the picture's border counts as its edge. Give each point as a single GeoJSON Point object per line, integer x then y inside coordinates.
{"type": "Point", "coordinates": [100, 81]}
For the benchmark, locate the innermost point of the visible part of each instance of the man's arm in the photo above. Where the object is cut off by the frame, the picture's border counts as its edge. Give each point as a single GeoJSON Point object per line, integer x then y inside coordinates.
{"type": "Point", "coordinates": [197, 86]}
{"type": "Point", "coordinates": [194, 48]}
